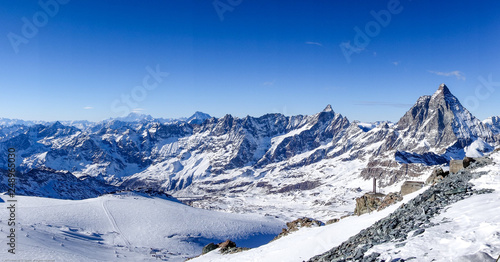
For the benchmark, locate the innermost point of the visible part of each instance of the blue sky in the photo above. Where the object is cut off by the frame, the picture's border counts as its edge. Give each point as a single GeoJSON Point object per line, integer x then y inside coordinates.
{"type": "Point", "coordinates": [89, 59]}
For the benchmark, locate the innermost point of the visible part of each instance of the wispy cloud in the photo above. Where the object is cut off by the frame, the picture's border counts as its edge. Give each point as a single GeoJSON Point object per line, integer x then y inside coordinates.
{"type": "Point", "coordinates": [138, 110]}
{"type": "Point", "coordinates": [379, 103]}
{"type": "Point", "coordinates": [459, 75]}
{"type": "Point", "coordinates": [269, 83]}
{"type": "Point", "coordinates": [88, 108]}
{"type": "Point", "coordinates": [314, 43]}
{"type": "Point", "coordinates": [396, 63]}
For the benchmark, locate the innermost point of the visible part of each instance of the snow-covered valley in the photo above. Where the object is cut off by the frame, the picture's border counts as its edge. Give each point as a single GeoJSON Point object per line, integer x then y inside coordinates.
{"type": "Point", "coordinates": [124, 227]}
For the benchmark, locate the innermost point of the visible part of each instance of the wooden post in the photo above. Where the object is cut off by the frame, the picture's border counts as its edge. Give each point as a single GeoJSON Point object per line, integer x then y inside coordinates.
{"type": "Point", "coordinates": [374, 185]}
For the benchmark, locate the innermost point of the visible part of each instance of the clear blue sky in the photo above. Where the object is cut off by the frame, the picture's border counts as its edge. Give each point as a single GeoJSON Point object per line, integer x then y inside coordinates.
{"type": "Point", "coordinates": [263, 56]}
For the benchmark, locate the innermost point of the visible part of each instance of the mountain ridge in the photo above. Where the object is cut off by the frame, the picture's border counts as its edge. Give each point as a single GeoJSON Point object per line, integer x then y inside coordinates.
{"type": "Point", "coordinates": [275, 155]}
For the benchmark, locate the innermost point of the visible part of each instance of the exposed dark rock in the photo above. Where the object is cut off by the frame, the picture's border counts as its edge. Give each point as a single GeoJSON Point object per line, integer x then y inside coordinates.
{"type": "Point", "coordinates": [390, 199]}
{"type": "Point", "coordinates": [299, 223]}
{"type": "Point", "coordinates": [229, 247]}
{"type": "Point", "coordinates": [226, 245]}
{"type": "Point", "coordinates": [208, 248]}
{"type": "Point", "coordinates": [331, 221]}
{"type": "Point", "coordinates": [367, 203]}
{"type": "Point", "coordinates": [419, 231]}
{"type": "Point", "coordinates": [306, 185]}
{"type": "Point", "coordinates": [437, 175]}
{"type": "Point", "coordinates": [468, 161]}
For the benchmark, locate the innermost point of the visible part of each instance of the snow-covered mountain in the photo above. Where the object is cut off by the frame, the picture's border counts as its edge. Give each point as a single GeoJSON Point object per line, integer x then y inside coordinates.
{"type": "Point", "coordinates": [198, 118]}
{"type": "Point", "coordinates": [440, 124]}
{"type": "Point", "coordinates": [301, 164]}
{"type": "Point", "coordinates": [494, 124]}
{"type": "Point", "coordinates": [46, 182]}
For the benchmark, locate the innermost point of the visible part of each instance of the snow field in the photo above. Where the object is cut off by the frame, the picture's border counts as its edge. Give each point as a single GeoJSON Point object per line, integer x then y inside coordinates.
{"type": "Point", "coordinates": [125, 227]}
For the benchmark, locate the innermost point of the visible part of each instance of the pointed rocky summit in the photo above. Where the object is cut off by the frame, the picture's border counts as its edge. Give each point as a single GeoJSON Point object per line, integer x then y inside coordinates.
{"type": "Point", "coordinates": [328, 108]}
{"type": "Point", "coordinates": [440, 121]}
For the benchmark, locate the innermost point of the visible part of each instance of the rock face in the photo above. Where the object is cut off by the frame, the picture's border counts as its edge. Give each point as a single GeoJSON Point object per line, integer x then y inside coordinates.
{"type": "Point", "coordinates": [367, 203]}
{"type": "Point", "coordinates": [437, 175]}
{"type": "Point", "coordinates": [299, 223]}
{"type": "Point", "coordinates": [390, 199]}
{"type": "Point", "coordinates": [226, 247]}
{"type": "Point", "coordinates": [468, 161]}
{"type": "Point", "coordinates": [415, 216]}
{"type": "Point", "coordinates": [409, 187]}
{"type": "Point", "coordinates": [440, 121]}
{"type": "Point", "coordinates": [208, 248]}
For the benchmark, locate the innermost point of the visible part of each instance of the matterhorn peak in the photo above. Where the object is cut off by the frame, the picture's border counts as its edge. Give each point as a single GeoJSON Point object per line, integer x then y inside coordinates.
{"type": "Point", "coordinates": [328, 108]}
{"type": "Point", "coordinates": [443, 88]}
{"type": "Point", "coordinates": [443, 92]}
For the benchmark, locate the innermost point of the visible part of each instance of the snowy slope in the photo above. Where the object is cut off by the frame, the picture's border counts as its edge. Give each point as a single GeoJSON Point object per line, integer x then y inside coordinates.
{"type": "Point", "coordinates": [307, 242]}
{"type": "Point", "coordinates": [468, 230]}
{"type": "Point", "coordinates": [125, 227]}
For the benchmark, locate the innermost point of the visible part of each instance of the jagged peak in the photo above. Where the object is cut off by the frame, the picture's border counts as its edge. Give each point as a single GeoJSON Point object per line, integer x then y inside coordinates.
{"type": "Point", "coordinates": [328, 108]}
{"type": "Point", "coordinates": [442, 90]}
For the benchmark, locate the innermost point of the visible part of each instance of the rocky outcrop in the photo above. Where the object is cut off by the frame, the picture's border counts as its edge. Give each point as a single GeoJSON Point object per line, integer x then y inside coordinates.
{"type": "Point", "coordinates": [333, 220]}
{"type": "Point", "coordinates": [468, 161]}
{"type": "Point", "coordinates": [370, 202]}
{"type": "Point", "coordinates": [208, 248]}
{"type": "Point", "coordinates": [367, 203]}
{"type": "Point", "coordinates": [390, 199]}
{"type": "Point", "coordinates": [437, 175]}
{"type": "Point", "coordinates": [297, 224]}
{"type": "Point", "coordinates": [226, 247]}
{"type": "Point", "coordinates": [411, 218]}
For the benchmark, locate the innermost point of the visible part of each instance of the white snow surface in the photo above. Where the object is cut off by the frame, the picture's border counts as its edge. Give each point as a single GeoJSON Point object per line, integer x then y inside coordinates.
{"type": "Point", "coordinates": [468, 230]}
{"type": "Point", "coordinates": [124, 227]}
{"type": "Point", "coordinates": [307, 242]}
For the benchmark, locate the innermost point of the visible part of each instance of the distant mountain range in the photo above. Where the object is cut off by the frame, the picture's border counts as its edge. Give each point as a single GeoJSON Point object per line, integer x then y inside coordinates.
{"type": "Point", "coordinates": [197, 117]}
{"type": "Point", "coordinates": [226, 163]}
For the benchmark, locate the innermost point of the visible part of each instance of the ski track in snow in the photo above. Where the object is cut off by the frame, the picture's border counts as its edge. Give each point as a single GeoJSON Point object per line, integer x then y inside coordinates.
{"type": "Point", "coordinates": [113, 223]}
